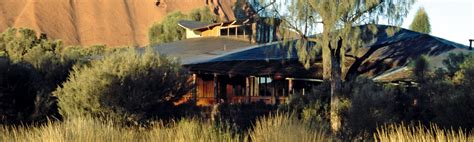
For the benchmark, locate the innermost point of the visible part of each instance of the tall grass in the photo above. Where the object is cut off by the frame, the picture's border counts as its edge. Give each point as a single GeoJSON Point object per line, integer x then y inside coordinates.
{"type": "Point", "coordinates": [88, 129]}
{"type": "Point", "coordinates": [276, 128]}
{"type": "Point", "coordinates": [398, 133]}
{"type": "Point", "coordinates": [285, 128]}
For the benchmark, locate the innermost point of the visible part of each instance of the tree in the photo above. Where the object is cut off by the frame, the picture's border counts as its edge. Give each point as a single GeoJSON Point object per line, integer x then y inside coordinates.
{"type": "Point", "coordinates": [168, 30]}
{"type": "Point", "coordinates": [204, 15]}
{"type": "Point", "coordinates": [31, 68]}
{"type": "Point", "coordinates": [341, 35]}
{"type": "Point", "coordinates": [421, 68]}
{"type": "Point", "coordinates": [421, 23]}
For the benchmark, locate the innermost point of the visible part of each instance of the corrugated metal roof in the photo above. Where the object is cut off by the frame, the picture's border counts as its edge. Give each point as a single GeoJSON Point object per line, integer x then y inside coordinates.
{"type": "Point", "coordinates": [400, 48]}
{"type": "Point", "coordinates": [196, 25]}
{"type": "Point", "coordinates": [202, 49]}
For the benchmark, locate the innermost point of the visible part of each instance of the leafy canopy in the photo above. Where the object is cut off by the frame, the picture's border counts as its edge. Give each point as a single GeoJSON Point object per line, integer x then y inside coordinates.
{"type": "Point", "coordinates": [169, 30]}
{"type": "Point", "coordinates": [421, 23]}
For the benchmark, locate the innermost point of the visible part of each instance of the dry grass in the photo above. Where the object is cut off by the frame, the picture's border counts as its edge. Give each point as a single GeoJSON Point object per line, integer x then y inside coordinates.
{"type": "Point", "coordinates": [87, 129]}
{"type": "Point", "coordinates": [398, 133]}
{"type": "Point", "coordinates": [276, 128]}
{"type": "Point", "coordinates": [285, 128]}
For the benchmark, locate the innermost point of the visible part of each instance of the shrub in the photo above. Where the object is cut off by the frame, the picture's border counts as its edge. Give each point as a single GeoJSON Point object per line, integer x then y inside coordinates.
{"type": "Point", "coordinates": [125, 83]}
{"type": "Point", "coordinates": [371, 105]}
{"type": "Point", "coordinates": [312, 108]}
{"type": "Point", "coordinates": [39, 67]}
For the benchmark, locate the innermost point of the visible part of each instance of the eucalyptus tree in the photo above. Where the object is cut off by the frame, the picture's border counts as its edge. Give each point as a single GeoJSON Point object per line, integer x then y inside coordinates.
{"type": "Point", "coordinates": [341, 34]}
{"type": "Point", "coordinates": [421, 23]}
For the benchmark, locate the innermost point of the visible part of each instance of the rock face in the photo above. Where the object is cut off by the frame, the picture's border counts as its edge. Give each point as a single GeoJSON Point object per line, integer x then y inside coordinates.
{"type": "Point", "coordinates": [90, 22]}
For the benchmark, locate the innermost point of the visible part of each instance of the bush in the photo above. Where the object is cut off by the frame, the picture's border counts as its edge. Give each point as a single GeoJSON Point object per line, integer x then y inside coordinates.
{"type": "Point", "coordinates": [38, 68]}
{"type": "Point", "coordinates": [169, 30]}
{"type": "Point", "coordinates": [125, 83]}
{"type": "Point", "coordinates": [371, 105]}
{"type": "Point", "coordinates": [312, 108]}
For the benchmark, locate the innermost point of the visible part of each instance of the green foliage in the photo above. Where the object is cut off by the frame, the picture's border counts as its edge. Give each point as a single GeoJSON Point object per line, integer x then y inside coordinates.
{"type": "Point", "coordinates": [203, 15]}
{"type": "Point", "coordinates": [453, 62]}
{"type": "Point", "coordinates": [421, 23]}
{"type": "Point", "coordinates": [371, 105]}
{"type": "Point", "coordinates": [169, 30]}
{"type": "Point", "coordinates": [125, 83]}
{"type": "Point", "coordinates": [39, 67]}
{"type": "Point", "coordinates": [311, 108]}
{"type": "Point", "coordinates": [421, 68]}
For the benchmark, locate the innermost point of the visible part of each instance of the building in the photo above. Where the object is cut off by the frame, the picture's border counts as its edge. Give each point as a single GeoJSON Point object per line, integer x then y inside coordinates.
{"type": "Point", "coordinates": [239, 71]}
{"type": "Point", "coordinates": [257, 30]}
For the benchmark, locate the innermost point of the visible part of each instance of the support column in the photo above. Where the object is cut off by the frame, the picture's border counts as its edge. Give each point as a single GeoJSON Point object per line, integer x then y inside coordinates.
{"type": "Point", "coordinates": [247, 88]}
{"type": "Point", "coordinates": [290, 87]}
{"type": "Point", "coordinates": [470, 43]}
{"type": "Point", "coordinates": [274, 92]}
{"type": "Point", "coordinates": [216, 88]}
{"type": "Point", "coordinates": [195, 87]}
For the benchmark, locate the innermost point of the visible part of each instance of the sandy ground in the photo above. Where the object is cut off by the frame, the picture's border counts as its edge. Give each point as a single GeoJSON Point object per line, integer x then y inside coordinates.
{"type": "Point", "coordinates": [90, 22]}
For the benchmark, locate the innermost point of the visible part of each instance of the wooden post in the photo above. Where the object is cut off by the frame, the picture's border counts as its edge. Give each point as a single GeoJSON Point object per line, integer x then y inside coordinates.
{"type": "Point", "coordinates": [194, 87]}
{"type": "Point", "coordinates": [265, 89]}
{"type": "Point", "coordinates": [290, 87]}
{"type": "Point", "coordinates": [245, 28]}
{"type": "Point", "coordinates": [247, 88]}
{"type": "Point", "coordinates": [228, 31]}
{"type": "Point", "coordinates": [274, 92]}
{"type": "Point", "coordinates": [236, 32]}
{"type": "Point", "coordinates": [216, 88]}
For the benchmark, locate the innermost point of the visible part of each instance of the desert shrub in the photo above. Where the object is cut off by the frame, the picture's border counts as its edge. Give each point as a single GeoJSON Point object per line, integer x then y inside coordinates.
{"type": "Point", "coordinates": [127, 83]}
{"type": "Point", "coordinates": [371, 105]}
{"type": "Point", "coordinates": [39, 66]}
{"type": "Point", "coordinates": [241, 117]}
{"type": "Point", "coordinates": [421, 68]}
{"type": "Point", "coordinates": [452, 99]}
{"type": "Point", "coordinates": [453, 62]}
{"type": "Point", "coordinates": [311, 108]}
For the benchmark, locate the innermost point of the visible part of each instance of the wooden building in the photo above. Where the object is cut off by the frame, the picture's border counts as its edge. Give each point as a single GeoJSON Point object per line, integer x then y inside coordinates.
{"type": "Point", "coordinates": [259, 30]}
{"type": "Point", "coordinates": [264, 73]}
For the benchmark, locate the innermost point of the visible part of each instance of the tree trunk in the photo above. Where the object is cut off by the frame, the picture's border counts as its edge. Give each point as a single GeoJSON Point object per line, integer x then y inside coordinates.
{"type": "Point", "coordinates": [336, 87]}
